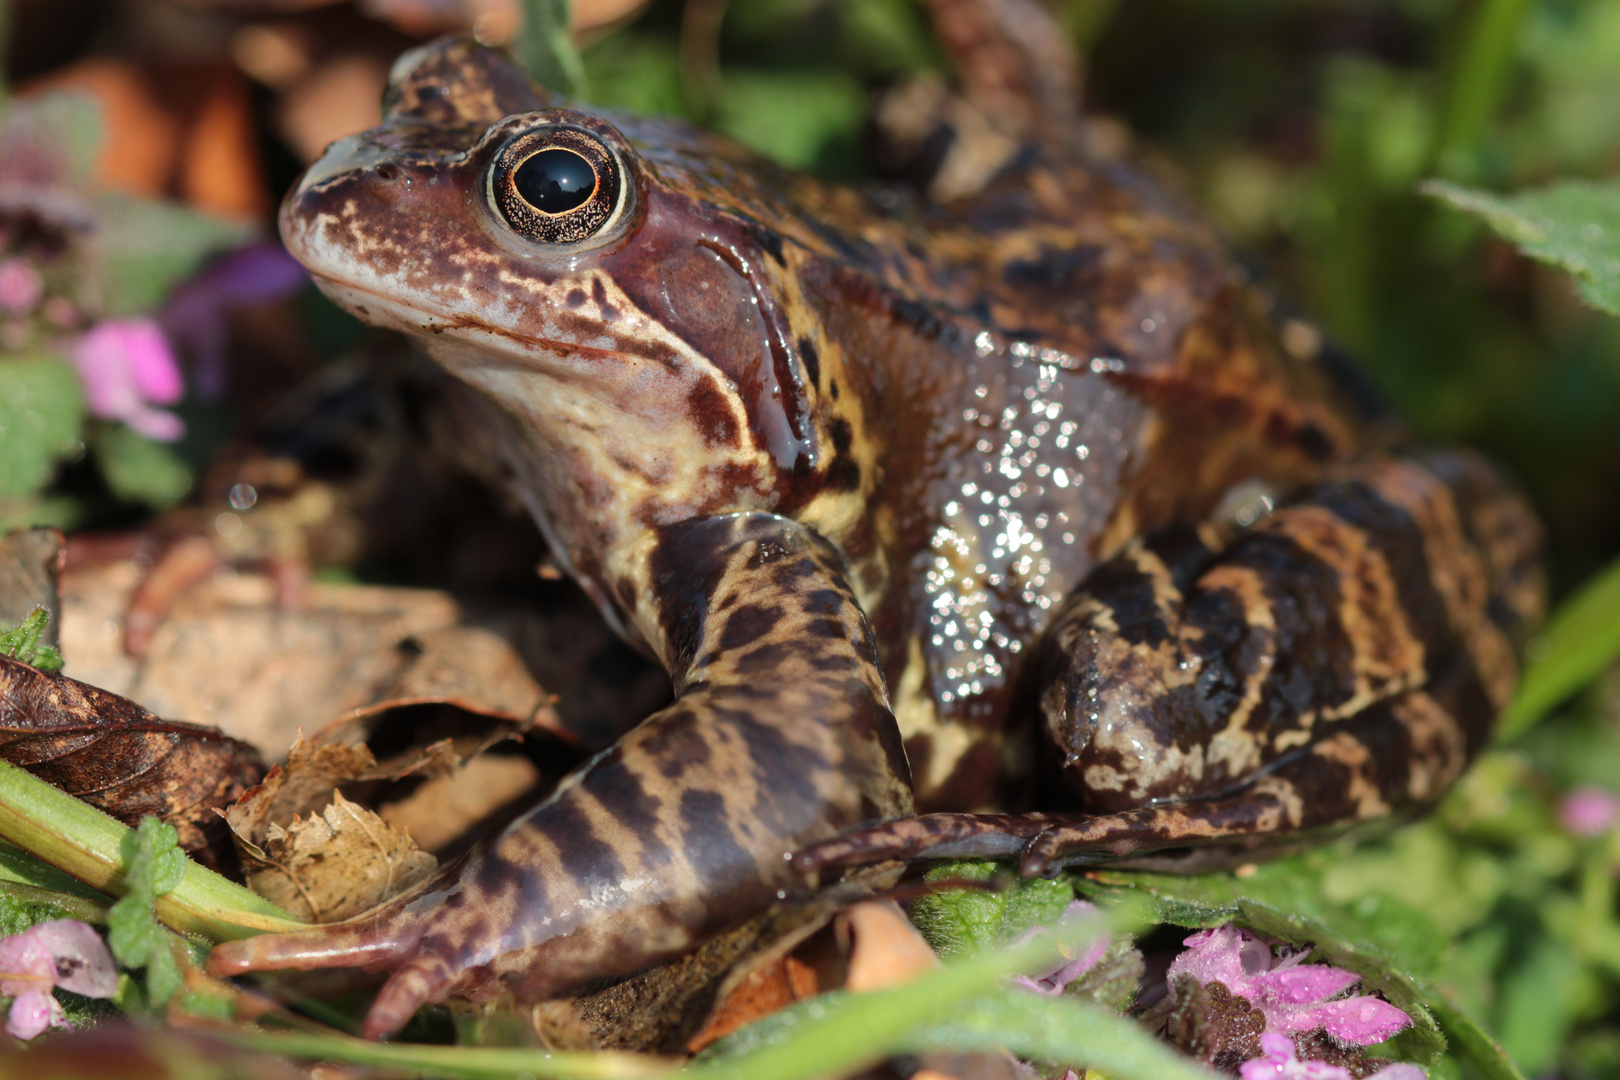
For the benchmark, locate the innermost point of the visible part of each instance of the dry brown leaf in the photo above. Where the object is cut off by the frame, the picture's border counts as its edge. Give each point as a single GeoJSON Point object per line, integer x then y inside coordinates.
{"type": "Point", "coordinates": [120, 757]}
{"type": "Point", "coordinates": [337, 97]}
{"type": "Point", "coordinates": [885, 949]}
{"type": "Point", "coordinates": [30, 564]}
{"type": "Point", "coordinates": [179, 130]}
{"type": "Point", "coordinates": [775, 985]}
{"type": "Point", "coordinates": [338, 863]}
{"type": "Point", "coordinates": [228, 653]}
{"type": "Point", "coordinates": [445, 808]}
{"type": "Point", "coordinates": [465, 666]}
{"type": "Point", "coordinates": [303, 785]}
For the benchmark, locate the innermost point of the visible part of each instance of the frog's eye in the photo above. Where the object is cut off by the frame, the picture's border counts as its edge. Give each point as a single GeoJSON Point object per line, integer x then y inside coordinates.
{"type": "Point", "coordinates": [556, 184]}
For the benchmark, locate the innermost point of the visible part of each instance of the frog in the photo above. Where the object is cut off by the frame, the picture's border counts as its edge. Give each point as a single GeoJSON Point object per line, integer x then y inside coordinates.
{"type": "Point", "coordinates": [1004, 518]}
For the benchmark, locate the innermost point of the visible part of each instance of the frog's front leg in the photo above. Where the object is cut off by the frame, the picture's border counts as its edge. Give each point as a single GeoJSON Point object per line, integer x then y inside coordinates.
{"type": "Point", "coordinates": [1340, 661]}
{"type": "Point", "coordinates": [780, 735]}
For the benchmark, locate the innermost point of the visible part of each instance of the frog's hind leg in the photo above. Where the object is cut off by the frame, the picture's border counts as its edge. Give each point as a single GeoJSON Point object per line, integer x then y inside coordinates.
{"type": "Point", "coordinates": [1392, 756]}
{"type": "Point", "coordinates": [780, 734]}
{"type": "Point", "coordinates": [1341, 661]}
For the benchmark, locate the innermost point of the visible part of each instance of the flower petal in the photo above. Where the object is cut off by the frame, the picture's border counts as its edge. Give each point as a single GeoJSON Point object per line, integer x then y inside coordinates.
{"type": "Point", "coordinates": [159, 425]}
{"type": "Point", "coordinates": [32, 1012]}
{"type": "Point", "coordinates": [25, 964]}
{"type": "Point", "coordinates": [1307, 983]}
{"type": "Point", "coordinates": [1361, 1020]}
{"type": "Point", "coordinates": [1399, 1071]}
{"type": "Point", "coordinates": [80, 958]}
{"type": "Point", "coordinates": [1279, 1063]}
{"type": "Point", "coordinates": [1589, 811]}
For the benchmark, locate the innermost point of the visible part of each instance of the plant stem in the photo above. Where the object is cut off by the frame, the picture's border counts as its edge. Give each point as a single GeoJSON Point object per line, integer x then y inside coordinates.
{"type": "Point", "coordinates": [1479, 78]}
{"type": "Point", "coordinates": [85, 842]}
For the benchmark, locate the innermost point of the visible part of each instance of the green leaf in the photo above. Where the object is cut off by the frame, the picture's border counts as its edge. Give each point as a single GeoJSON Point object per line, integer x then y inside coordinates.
{"type": "Point", "coordinates": [138, 469]}
{"type": "Point", "coordinates": [1581, 639]}
{"type": "Point", "coordinates": [790, 116]}
{"type": "Point", "coordinates": [147, 246]}
{"type": "Point", "coordinates": [1574, 225]}
{"type": "Point", "coordinates": [1536, 1002]}
{"type": "Point", "coordinates": [1472, 1042]}
{"type": "Point", "coordinates": [154, 865]}
{"type": "Point", "coordinates": [19, 867]}
{"type": "Point", "coordinates": [41, 408]}
{"type": "Point", "coordinates": [545, 47]}
{"type": "Point", "coordinates": [971, 921]}
{"type": "Point", "coordinates": [22, 642]}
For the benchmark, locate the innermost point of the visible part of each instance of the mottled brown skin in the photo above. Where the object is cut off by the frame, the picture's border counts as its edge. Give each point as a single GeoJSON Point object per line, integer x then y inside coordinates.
{"type": "Point", "coordinates": [837, 461]}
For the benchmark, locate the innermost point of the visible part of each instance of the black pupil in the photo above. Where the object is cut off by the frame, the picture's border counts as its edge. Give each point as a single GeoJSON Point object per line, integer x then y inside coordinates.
{"type": "Point", "coordinates": [555, 181]}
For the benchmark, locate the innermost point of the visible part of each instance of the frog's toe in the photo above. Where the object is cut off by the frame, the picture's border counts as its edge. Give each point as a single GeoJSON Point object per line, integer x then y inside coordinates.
{"type": "Point", "coordinates": [402, 939]}
{"type": "Point", "coordinates": [425, 978]}
{"type": "Point", "coordinates": [366, 942]}
{"type": "Point", "coordinates": [931, 836]}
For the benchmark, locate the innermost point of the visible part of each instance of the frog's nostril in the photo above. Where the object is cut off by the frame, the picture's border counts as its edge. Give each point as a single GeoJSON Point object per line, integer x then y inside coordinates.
{"type": "Point", "coordinates": [388, 172]}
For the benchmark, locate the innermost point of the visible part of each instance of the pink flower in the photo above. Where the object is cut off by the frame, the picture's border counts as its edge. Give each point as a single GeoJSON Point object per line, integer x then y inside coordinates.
{"type": "Point", "coordinates": [126, 366]}
{"type": "Point", "coordinates": [1293, 995]}
{"type": "Point", "coordinates": [1051, 983]}
{"type": "Point", "coordinates": [65, 953]}
{"type": "Point", "coordinates": [1279, 1063]}
{"type": "Point", "coordinates": [20, 287]}
{"type": "Point", "coordinates": [1589, 811]}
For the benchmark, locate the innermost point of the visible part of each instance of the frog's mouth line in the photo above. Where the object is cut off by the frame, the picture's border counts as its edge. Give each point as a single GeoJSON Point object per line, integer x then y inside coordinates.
{"type": "Point", "coordinates": [425, 322]}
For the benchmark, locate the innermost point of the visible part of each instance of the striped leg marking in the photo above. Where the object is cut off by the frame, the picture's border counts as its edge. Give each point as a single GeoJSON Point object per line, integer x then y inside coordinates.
{"type": "Point", "coordinates": [780, 735]}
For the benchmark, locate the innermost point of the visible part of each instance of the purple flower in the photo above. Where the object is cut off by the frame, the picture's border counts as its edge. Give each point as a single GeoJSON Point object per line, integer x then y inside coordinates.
{"type": "Point", "coordinates": [1293, 995]}
{"type": "Point", "coordinates": [195, 316]}
{"type": "Point", "coordinates": [1589, 811]}
{"type": "Point", "coordinates": [126, 366]}
{"type": "Point", "coordinates": [65, 953]}
{"type": "Point", "coordinates": [1052, 982]}
{"type": "Point", "coordinates": [1279, 1063]}
{"type": "Point", "coordinates": [20, 287]}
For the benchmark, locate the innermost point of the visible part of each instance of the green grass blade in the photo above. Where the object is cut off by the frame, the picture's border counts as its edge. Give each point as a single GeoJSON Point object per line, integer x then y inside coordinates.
{"type": "Point", "coordinates": [463, 1062]}
{"type": "Point", "coordinates": [1061, 1030]}
{"type": "Point", "coordinates": [1581, 639]}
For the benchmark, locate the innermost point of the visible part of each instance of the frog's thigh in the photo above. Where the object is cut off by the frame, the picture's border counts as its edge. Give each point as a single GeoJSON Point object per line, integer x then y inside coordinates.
{"type": "Point", "coordinates": [780, 735]}
{"type": "Point", "coordinates": [1338, 662]}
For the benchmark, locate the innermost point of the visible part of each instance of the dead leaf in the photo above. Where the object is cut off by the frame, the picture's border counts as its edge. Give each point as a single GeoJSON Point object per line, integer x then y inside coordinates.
{"type": "Point", "coordinates": [227, 652]}
{"type": "Point", "coordinates": [465, 666]}
{"type": "Point", "coordinates": [30, 564]}
{"type": "Point", "coordinates": [445, 808]}
{"type": "Point", "coordinates": [122, 758]}
{"type": "Point", "coordinates": [338, 863]}
{"type": "Point", "coordinates": [775, 985]}
{"type": "Point", "coordinates": [304, 785]}
{"type": "Point", "coordinates": [885, 949]}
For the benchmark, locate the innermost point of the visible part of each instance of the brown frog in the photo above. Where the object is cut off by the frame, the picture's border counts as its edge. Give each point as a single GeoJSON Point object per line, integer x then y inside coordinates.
{"type": "Point", "coordinates": [879, 479]}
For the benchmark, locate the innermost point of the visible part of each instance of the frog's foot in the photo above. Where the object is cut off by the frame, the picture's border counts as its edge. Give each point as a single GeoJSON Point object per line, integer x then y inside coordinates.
{"type": "Point", "coordinates": [1398, 755]}
{"type": "Point", "coordinates": [399, 935]}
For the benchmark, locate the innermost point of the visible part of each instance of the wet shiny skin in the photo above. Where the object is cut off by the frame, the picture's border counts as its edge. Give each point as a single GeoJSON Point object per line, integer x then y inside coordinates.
{"type": "Point", "coordinates": [837, 461]}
